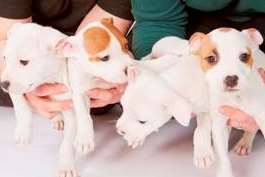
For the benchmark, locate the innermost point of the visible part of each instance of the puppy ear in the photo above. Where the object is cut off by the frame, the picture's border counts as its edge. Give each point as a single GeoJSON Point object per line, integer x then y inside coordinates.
{"type": "Point", "coordinates": [107, 20]}
{"type": "Point", "coordinates": [67, 47]}
{"type": "Point", "coordinates": [13, 28]}
{"type": "Point", "coordinates": [195, 42]}
{"type": "Point", "coordinates": [132, 73]}
{"type": "Point", "coordinates": [162, 63]}
{"type": "Point", "coordinates": [254, 37]}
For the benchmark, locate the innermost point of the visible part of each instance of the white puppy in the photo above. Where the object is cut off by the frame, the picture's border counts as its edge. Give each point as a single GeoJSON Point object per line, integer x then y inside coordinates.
{"type": "Point", "coordinates": [35, 55]}
{"type": "Point", "coordinates": [145, 109]}
{"type": "Point", "coordinates": [230, 60]}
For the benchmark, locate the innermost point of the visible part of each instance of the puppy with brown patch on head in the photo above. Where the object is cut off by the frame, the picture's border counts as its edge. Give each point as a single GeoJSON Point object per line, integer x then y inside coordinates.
{"type": "Point", "coordinates": [230, 60]}
{"type": "Point", "coordinates": [98, 52]}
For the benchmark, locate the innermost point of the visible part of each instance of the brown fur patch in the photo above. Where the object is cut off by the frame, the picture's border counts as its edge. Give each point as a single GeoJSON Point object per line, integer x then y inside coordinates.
{"type": "Point", "coordinates": [96, 39]}
{"type": "Point", "coordinates": [250, 60]}
{"type": "Point", "coordinates": [206, 49]}
{"type": "Point", "coordinates": [224, 29]}
{"type": "Point", "coordinates": [117, 33]}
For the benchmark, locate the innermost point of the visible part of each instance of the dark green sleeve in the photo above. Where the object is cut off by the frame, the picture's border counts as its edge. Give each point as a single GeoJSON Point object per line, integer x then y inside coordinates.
{"type": "Point", "coordinates": [156, 19]}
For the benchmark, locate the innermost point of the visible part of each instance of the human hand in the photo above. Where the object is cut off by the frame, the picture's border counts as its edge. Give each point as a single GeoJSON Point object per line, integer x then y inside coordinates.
{"type": "Point", "coordinates": [239, 119]}
{"type": "Point", "coordinates": [103, 97]}
{"type": "Point", "coordinates": [41, 102]}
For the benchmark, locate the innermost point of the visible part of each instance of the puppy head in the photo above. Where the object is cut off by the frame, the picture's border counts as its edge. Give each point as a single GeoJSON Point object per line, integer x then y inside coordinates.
{"type": "Point", "coordinates": [226, 56]}
{"type": "Point", "coordinates": [29, 60]}
{"type": "Point", "coordinates": [101, 49]}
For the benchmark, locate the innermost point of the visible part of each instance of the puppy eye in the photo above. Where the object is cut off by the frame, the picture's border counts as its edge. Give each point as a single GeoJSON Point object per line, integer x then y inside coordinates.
{"type": "Point", "coordinates": [211, 59]}
{"type": "Point", "coordinates": [142, 122]}
{"type": "Point", "coordinates": [244, 57]}
{"type": "Point", "coordinates": [24, 62]}
{"type": "Point", "coordinates": [106, 58]}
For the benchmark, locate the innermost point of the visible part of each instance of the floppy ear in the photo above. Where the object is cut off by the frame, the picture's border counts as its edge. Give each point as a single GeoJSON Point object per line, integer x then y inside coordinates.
{"type": "Point", "coordinates": [107, 20]}
{"type": "Point", "coordinates": [132, 72]}
{"type": "Point", "coordinates": [13, 28]}
{"type": "Point", "coordinates": [195, 42]}
{"type": "Point", "coordinates": [254, 37]}
{"type": "Point", "coordinates": [162, 63]}
{"type": "Point", "coordinates": [67, 47]}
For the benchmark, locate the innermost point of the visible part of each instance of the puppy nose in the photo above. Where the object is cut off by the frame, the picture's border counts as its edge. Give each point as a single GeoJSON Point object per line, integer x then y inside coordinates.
{"type": "Point", "coordinates": [5, 84]}
{"type": "Point", "coordinates": [231, 81]}
{"type": "Point", "coordinates": [121, 132]}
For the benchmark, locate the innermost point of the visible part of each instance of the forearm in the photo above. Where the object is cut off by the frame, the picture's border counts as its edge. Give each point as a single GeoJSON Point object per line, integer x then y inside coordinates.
{"type": "Point", "coordinates": [97, 13]}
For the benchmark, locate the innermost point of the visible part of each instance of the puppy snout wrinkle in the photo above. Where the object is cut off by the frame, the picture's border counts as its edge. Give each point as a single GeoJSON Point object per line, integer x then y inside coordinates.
{"type": "Point", "coordinates": [231, 81]}
{"type": "Point", "coordinates": [5, 84]}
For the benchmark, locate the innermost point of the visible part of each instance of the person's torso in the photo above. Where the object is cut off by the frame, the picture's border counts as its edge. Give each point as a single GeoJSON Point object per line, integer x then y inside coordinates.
{"type": "Point", "coordinates": [64, 15]}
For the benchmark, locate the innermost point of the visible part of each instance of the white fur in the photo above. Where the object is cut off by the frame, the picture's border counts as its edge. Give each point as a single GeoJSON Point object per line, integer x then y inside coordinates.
{"type": "Point", "coordinates": [183, 77]}
{"type": "Point", "coordinates": [48, 63]}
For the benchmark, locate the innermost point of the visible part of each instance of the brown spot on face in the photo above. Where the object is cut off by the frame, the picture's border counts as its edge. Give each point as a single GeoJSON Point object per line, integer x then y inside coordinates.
{"type": "Point", "coordinates": [108, 23]}
{"type": "Point", "coordinates": [96, 39]}
{"type": "Point", "coordinates": [224, 29]}
{"type": "Point", "coordinates": [206, 51]}
{"type": "Point", "coordinates": [250, 60]}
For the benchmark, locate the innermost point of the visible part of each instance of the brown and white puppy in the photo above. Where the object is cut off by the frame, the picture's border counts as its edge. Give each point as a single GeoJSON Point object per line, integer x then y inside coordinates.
{"type": "Point", "coordinates": [230, 60]}
{"type": "Point", "coordinates": [35, 55]}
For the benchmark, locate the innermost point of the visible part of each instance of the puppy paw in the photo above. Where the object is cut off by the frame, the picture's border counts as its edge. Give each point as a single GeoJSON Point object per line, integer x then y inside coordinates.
{"type": "Point", "coordinates": [134, 141]}
{"type": "Point", "coordinates": [84, 143]}
{"type": "Point", "coordinates": [58, 123]}
{"type": "Point", "coordinates": [203, 157]}
{"type": "Point", "coordinates": [243, 147]}
{"type": "Point", "coordinates": [71, 172]}
{"type": "Point", "coordinates": [22, 136]}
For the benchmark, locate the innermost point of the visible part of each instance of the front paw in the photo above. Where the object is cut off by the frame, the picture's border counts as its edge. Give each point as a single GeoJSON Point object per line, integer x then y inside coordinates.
{"type": "Point", "coordinates": [243, 147]}
{"type": "Point", "coordinates": [84, 142]}
{"type": "Point", "coordinates": [22, 136]}
{"type": "Point", "coordinates": [68, 172]}
{"type": "Point", "coordinates": [135, 140]}
{"type": "Point", "coordinates": [203, 157]}
{"type": "Point", "coordinates": [58, 124]}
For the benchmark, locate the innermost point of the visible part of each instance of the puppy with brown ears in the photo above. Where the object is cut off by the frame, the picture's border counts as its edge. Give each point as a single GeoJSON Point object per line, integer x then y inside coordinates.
{"type": "Point", "coordinates": [230, 60]}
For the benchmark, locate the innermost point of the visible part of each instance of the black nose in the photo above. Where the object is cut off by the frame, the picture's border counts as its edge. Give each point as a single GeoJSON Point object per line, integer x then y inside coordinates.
{"type": "Point", "coordinates": [5, 84]}
{"type": "Point", "coordinates": [231, 81]}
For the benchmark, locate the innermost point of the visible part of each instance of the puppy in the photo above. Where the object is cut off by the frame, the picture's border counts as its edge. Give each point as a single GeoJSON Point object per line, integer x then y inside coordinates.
{"type": "Point", "coordinates": [230, 60]}
{"type": "Point", "coordinates": [35, 55]}
{"type": "Point", "coordinates": [144, 101]}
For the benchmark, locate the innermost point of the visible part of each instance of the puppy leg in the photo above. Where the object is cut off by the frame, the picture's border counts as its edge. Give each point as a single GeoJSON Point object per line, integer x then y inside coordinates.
{"type": "Point", "coordinates": [220, 133]}
{"type": "Point", "coordinates": [244, 145]}
{"type": "Point", "coordinates": [84, 141]}
{"type": "Point", "coordinates": [203, 150]}
{"type": "Point", "coordinates": [23, 120]}
{"type": "Point", "coordinates": [58, 123]}
{"type": "Point", "coordinates": [66, 153]}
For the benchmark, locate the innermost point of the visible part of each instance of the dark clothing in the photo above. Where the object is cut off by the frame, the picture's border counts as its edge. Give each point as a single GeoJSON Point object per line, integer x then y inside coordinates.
{"type": "Point", "coordinates": [64, 15]}
{"type": "Point", "coordinates": [203, 22]}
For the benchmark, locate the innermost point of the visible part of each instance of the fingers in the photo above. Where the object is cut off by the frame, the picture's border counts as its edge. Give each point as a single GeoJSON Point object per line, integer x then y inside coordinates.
{"type": "Point", "coordinates": [50, 89]}
{"type": "Point", "coordinates": [47, 107]}
{"type": "Point", "coordinates": [103, 97]}
{"type": "Point", "coordinates": [262, 73]}
{"type": "Point", "coordinates": [239, 119]}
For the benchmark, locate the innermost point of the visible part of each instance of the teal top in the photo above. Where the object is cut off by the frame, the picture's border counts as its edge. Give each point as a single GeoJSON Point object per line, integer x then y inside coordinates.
{"type": "Point", "coordinates": [159, 18]}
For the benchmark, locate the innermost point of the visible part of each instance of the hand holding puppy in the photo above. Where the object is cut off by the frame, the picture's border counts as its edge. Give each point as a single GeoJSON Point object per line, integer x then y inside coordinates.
{"type": "Point", "coordinates": [240, 119]}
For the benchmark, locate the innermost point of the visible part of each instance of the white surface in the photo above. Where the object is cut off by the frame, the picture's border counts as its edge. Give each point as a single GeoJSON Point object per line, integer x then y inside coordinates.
{"type": "Point", "coordinates": [166, 154]}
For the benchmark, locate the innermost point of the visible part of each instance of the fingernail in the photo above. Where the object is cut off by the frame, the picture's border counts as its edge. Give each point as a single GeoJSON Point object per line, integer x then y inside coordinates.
{"type": "Point", "coordinates": [221, 110]}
